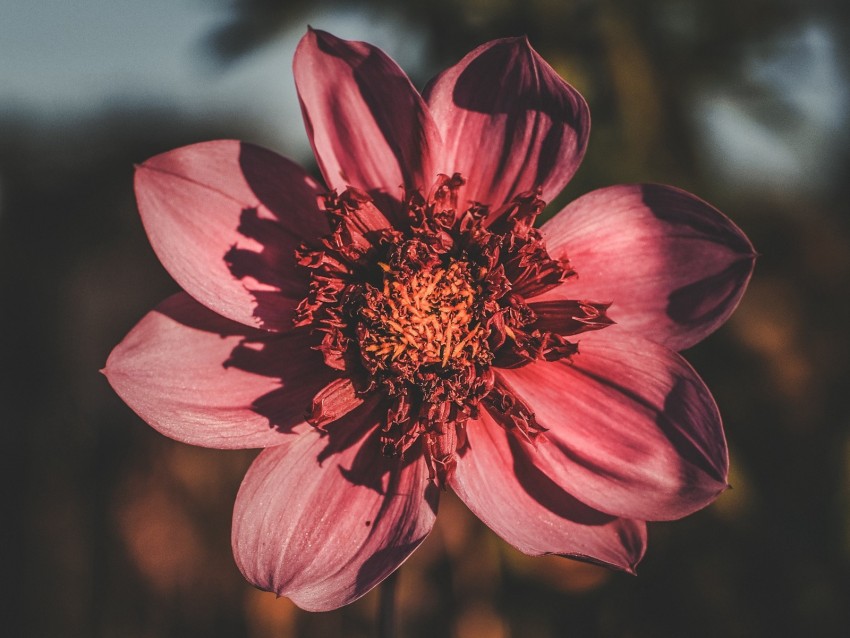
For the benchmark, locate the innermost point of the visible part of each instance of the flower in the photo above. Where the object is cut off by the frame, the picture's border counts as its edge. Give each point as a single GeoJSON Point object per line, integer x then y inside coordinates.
{"type": "Point", "coordinates": [407, 329]}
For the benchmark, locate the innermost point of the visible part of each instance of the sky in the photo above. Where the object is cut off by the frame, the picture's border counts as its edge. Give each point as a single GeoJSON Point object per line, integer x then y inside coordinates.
{"type": "Point", "coordinates": [62, 61]}
{"type": "Point", "coordinates": [783, 122]}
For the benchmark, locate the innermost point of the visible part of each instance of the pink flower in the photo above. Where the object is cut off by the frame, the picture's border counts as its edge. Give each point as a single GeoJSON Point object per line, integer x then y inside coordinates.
{"type": "Point", "coordinates": [411, 330]}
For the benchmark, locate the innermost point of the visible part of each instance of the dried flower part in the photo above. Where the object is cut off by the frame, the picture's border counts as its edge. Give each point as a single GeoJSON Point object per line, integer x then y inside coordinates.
{"type": "Point", "coordinates": [422, 314]}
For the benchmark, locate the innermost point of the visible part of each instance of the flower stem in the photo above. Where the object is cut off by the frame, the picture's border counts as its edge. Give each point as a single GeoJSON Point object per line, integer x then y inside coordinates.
{"type": "Point", "coordinates": [386, 612]}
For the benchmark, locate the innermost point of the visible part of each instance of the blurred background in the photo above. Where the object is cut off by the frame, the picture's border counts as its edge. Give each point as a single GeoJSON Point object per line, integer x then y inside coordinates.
{"type": "Point", "coordinates": [113, 530]}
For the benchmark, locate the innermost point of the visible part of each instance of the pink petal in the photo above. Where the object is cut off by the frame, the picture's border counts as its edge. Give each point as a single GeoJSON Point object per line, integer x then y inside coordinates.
{"type": "Point", "coordinates": [674, 267]}
{"type": "Point", "coordinates": [368, 125]}
{"type": "Point", "coordinates": [632, 429]}
{"type": "Point", "coordinates": [509, 122]}
{"type": "Point", "coordinates": [225, 219]}
{"type": "Point", "coordinates": [499, 480]}
{"type": "Point", "coordinates": [323, 520]}
{"type": "Point", "coordinates": [205, 380]}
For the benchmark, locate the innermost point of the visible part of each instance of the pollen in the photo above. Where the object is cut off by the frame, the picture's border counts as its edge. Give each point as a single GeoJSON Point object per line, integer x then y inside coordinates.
{"type": "Point", "coordinates": [423, 318]}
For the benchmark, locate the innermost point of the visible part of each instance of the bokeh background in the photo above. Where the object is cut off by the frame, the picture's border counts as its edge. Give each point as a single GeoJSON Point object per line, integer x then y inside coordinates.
{"type": "Point", "coordinates": [112, 530]}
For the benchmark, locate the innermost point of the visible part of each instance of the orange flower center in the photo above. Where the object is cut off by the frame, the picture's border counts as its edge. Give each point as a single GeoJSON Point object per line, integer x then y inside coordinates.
{"type": "Point", "coordinates": [425, 318]}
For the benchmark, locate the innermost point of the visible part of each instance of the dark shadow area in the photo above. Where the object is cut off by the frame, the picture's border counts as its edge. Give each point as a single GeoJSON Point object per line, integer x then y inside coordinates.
{"type": "Point", "coordinates": [289, 195]}
{"type": "Point", "coordinates": [522, 74]}
{"type": "Point", "coordinates": [546, 492]}
{"type": "Point", "coordinates": [683, 405]}
{"type": "Point", "coordinates": [387, 95]}
{"type": "Point", "coordinates": [704, 301]}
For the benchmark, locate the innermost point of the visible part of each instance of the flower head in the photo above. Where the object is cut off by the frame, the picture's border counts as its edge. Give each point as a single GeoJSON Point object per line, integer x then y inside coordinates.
{"type": "Point", "coordinates": [406, 329]}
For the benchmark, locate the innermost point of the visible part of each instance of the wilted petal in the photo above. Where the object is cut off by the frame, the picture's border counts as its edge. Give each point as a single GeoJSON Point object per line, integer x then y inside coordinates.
{"type": "Point", "coordinates": [225, 219]}
{"type": "Point", "coordinates": [368, 125]}
{"type": "Point", "coordinates": [674, 267]}
{"type": "Point", "coordinates": [569, 316]}
{"type": "Point", "coordinates": [509, 122]}
{"type": "Point", "coordinates": [309, 523]}
{"type": "Point", "coordinates": [499, 481]}
{"type": "Point", "coordinates": [631, 427]}
{"type": "Point", "coordinates": [205, 380]}
{"type": "Point", "coordinates": [335, 400]}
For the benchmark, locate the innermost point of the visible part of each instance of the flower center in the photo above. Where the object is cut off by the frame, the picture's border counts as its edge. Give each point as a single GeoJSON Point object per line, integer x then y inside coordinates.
{"type": "Point", "coordinates": [425, 311]}
{"type": "Point", "coordinates": [422, 318]}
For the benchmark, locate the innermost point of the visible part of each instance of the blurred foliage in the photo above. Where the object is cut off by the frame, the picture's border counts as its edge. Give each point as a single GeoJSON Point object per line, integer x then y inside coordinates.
{"type": "Point", "coordinates": [115, 531]}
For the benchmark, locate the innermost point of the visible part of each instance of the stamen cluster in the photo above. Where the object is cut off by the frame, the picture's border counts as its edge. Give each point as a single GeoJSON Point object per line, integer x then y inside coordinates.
{"type": "Point", "coordinates": [422, 318]}
{"type": "Point", "coordinates": [422, 313]}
